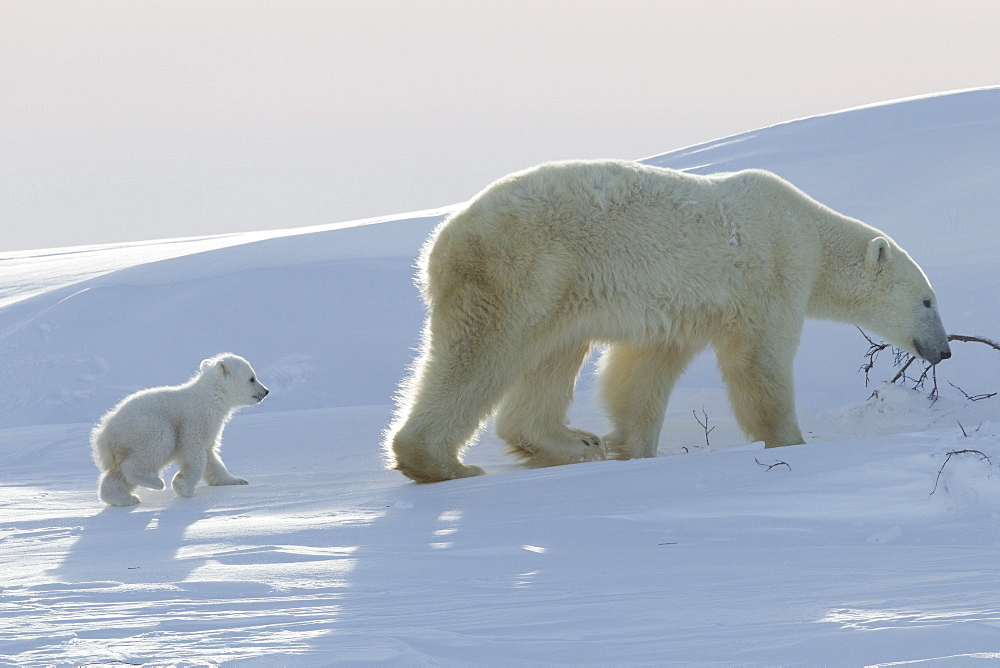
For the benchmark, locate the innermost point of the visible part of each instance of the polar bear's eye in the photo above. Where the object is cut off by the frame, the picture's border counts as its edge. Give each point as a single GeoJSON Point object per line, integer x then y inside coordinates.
{"type": "Point", "coordinates": [927, 303]}
{"type": "Point", "coordinates": [252, 379]}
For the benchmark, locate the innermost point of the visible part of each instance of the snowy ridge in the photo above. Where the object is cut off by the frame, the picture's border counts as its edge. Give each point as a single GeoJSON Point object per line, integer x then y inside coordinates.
{"type": "Point", "coordinates": [718, 553]}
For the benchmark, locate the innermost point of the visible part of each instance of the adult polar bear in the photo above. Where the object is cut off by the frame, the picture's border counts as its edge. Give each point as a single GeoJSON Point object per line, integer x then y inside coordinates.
{"type": "Point", "coordinates": [656, 264]}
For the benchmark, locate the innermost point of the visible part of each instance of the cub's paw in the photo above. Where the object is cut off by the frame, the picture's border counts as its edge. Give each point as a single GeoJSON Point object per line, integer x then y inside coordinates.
{"type": "Point", "coordinates": [227, 481]}
{"type": "Point", "coordinates": [123, 501]}
{"type": "Point", "coordinates": [181, 485]}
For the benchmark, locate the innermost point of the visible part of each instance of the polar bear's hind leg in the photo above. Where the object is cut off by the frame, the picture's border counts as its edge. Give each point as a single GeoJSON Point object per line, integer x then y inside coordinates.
{"type": "Point", "coordinates": [457, 383]}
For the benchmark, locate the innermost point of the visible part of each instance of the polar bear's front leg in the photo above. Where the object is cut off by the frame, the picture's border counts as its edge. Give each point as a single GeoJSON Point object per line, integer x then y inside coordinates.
{"type": "Point", "coordinates": [761, 386]}
{"type": "Point", "coordinates": [635, 384]}
{"type": "Point", "coordinates": [532, 417]}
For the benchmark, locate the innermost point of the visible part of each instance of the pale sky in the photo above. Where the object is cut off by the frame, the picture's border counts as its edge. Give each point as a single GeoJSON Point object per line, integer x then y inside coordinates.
{"type": "Point", "coordinates": [131, 120]}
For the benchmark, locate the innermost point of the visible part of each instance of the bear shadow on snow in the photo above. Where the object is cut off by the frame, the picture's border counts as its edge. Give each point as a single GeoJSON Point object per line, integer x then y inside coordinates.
{"type": "Point", "coordinates": [656, 265]}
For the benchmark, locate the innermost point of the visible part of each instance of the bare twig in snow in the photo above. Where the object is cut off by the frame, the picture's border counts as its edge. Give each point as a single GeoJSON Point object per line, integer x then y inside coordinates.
{"type": "Point", "coordinates": [982, 456]}
{"type": "Point", "coordinates": [771, 466]}
{"type": "Point", "coordinates": [704, 424]}
{"type": "Point", "coordinates": [905, 360]}
{"type": "Point", "coordinates": [873, 350]}
{"type": "Point", "coordinates": [974, 397]}
{"type": "Point", "coordinates": [966, 435]}
{"type": "Point", "coordinates": [902, 372]}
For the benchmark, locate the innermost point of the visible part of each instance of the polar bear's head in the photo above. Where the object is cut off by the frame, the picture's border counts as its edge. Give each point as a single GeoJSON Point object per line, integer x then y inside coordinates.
{"type": "Point", "coordinates": [237, 377]}
{"type": "Point", "coordinates": [902, 307]}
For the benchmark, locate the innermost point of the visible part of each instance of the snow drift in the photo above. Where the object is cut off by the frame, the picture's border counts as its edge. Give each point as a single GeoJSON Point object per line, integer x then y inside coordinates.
{"type": "Point", "coordinates": [838, 554]}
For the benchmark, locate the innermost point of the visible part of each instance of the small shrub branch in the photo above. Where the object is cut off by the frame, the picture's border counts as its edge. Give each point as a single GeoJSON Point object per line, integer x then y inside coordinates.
{"type": "Point", "coordinates": [904, 360]}
{"type": "Point", "coordinates": [771, 466]}
{"type": "Point", "coordinates": [982, 456]}
{"type": "Point", "coordinates": [703, 423]}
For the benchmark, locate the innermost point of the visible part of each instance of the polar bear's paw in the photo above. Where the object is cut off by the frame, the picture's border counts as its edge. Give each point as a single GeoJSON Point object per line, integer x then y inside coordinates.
{"type": "Point", "coordinates": [624, 448]}
{"type": "Point", "coordinates": [424, 472]}
{"type": "Point", "coordinates": [573, 446]}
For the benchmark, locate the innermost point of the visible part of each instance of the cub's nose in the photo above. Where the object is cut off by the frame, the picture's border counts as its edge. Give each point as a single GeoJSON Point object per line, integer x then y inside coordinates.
{"type": "Point", "coordinates": [946, 355]}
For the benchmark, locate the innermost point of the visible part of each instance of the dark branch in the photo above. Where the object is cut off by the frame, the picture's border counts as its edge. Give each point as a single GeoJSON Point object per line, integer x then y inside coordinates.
{"type": "Point", "coordinates": [982, 456]}
{"type": "Point", "coordinates": [771, 466]}
{"type": "Point", "coordinates": [974, 339]}
{"type": "Point", "coordinates": [704, 425]}
{"type": "Point", "coordinates": [974, 397]}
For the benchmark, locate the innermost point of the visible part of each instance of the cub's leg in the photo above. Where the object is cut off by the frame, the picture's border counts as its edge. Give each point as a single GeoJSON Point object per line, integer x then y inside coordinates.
{"type": "Point", "coordinates": [216, 472]}
{"type": "Point", "coordinates": [140, 473]}
{"type": "Point", "coordinates": [115, 490]}
{"type": "Point", "coordinates": [532, 416]}
{"type": "Point", "coordinates": [192, 459]}
{"type": "Point", "coordinates": [635, 385]}
{"type": "Point", "coordinates": [758, 371]}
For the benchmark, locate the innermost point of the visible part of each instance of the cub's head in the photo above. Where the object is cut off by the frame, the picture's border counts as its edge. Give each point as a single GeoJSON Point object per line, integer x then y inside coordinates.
{"type": "Point", "coordinates": [237, 377]}
{"type": "Point", "coordinates": [902, 307]}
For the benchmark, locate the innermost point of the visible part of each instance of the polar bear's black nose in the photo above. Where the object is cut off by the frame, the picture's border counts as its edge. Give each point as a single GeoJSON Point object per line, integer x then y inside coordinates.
{"type": "Point", "coordinates": [946, 355]}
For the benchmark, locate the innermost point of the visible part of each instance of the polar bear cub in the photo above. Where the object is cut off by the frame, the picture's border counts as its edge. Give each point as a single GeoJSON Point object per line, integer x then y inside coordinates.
{"type": "Point", "coordinates": [135, 440]}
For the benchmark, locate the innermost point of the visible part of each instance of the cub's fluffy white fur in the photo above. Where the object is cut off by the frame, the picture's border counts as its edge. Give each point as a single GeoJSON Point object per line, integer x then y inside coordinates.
{"type": "Point", "coordinates": [136, 439]}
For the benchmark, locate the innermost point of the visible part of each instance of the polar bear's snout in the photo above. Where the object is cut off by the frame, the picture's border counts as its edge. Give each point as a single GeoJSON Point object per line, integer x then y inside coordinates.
{"type": "Point", "coordinates": [264, 392]}
{"type": "Point", "coordinates": [930, 338]}
{"type": "Point", "coordinates": [931, 352]}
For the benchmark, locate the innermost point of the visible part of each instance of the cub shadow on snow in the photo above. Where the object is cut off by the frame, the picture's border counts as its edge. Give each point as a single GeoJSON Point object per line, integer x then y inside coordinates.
{"type": "Point", "coordinates": [137, 544]}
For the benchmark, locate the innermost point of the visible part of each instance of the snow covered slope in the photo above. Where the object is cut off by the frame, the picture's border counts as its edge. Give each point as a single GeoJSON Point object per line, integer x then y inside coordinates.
{"type": "Point", "coordinates": [840, 555]}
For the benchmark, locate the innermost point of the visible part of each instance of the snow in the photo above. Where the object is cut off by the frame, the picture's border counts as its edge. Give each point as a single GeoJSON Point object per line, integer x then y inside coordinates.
{"type": "Point", "coordinates": [866, 546]}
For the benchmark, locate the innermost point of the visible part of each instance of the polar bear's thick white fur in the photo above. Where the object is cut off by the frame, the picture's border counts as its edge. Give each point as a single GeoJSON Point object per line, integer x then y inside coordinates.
{"type": "Point", "coordinates": [655, 264]}
{"type": "Point", "coordinates": [147, 430]}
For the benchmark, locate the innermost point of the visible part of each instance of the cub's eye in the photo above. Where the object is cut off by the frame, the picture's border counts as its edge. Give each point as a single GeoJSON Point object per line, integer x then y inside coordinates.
{"type": "Point", "coordinates": [927, 303]}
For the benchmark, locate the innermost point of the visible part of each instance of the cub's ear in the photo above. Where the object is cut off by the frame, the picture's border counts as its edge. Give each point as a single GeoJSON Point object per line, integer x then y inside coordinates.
{"type": "Point", "coordinates": [879, 253]}
{"type": "Point", "coordinates": [215, 363]}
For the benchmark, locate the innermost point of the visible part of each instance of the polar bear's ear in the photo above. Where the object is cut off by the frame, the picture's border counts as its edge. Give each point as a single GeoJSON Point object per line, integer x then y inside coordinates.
{"type": "Point", "coordinates": [879, 253]}
{"type": "Point", "coordinates": [222, 368]}
{"type": "Point", "coordinates": [205, 364]}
